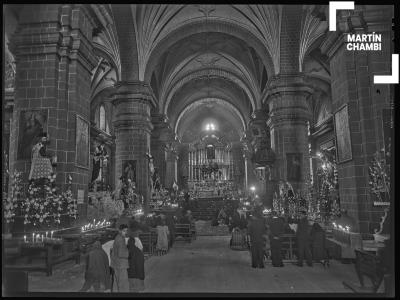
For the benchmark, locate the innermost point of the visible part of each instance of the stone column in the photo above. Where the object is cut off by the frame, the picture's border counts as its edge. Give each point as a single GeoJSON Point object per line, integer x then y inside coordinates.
{"type": "Point", "coordinates": [158, 147]}
{"type": "Point", "coordinates": [54, 60]}
{"type": "Point", "coordinates": [352, 75]}
{"type": "Point", "coordinates": [289, 113]}
{"type": "Point", "coordinates": [172, 168]}
{"type": "Point", "coordinates": [132, 125]}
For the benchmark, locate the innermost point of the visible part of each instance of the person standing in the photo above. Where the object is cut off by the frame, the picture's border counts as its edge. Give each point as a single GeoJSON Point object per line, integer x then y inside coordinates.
{"type": "Point", "coordinates": [136, 262]}
{"type": "Point", "coordinates": [162, 237]}
{"type": "Point", "coordinates": [119, 260]}
{"type": "Point", "coordinates": [276, 229]}
{"type": "Point", "coordinates": [256, 230]}
{"type": "Point", "coordinates": [97, 269]}
{"type": "Point", "coordinates": [303, 240]}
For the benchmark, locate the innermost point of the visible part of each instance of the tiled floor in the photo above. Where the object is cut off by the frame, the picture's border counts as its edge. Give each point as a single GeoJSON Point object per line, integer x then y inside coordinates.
{"type": "Point", "coordinates": [209, 265]}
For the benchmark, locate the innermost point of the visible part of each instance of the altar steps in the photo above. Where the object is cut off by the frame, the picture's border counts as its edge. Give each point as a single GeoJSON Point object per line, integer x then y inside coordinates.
{"type": "Point", "coordinates": [205, 208]}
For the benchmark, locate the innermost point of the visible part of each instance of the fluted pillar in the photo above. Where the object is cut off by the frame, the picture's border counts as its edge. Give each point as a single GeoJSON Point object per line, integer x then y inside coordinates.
{"type": "Point", "coordinates": [133, 127]}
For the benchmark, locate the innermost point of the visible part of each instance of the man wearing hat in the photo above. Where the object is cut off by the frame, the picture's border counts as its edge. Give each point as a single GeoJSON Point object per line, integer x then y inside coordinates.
{"type": "Point", "coordinates": [256, 230]}
{"type": "Point", "coordinates": [276, 229]}
{"type": "Point", "coordinates": [303, 240]}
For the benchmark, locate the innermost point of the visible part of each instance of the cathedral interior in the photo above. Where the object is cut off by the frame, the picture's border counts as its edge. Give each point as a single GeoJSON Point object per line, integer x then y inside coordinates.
{"type": "Point", "coordinates": [240, 102]}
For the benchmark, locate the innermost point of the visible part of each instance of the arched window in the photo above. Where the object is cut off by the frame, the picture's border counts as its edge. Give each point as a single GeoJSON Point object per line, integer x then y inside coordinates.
{"type": "Point", "coordinates": [102, 118]}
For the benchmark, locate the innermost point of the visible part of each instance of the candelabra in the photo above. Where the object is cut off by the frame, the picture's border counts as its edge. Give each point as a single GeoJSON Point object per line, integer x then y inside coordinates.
{"type": "Point", "coordinates": [94, 225]}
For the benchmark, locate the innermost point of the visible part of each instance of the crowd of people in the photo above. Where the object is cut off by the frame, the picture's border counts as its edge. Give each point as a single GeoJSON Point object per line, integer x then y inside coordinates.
{"type": "Point", "coordinates": [263, 234]}
{"type": "Point", "coordinates": [119, 263]}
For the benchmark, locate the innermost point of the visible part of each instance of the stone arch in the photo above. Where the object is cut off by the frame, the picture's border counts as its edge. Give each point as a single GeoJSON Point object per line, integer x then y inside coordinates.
{"type": "Point", "coordinates": [225, 74]}
{"type": "Point", "coordinates": [196, 103]}
{"type": "Point", "coordinates": [211, 25]}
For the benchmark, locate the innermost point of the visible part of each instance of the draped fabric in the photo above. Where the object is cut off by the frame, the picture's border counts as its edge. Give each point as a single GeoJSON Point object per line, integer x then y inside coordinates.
{"type": "Point", "coordinates": [97, 267]}
{"type": "Point", "coordinates": [136, 259]}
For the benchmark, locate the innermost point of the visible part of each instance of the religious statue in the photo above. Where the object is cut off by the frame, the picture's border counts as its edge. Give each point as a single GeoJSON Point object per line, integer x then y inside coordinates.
{"type": "Point", "coordinates": [41, 165]}
{"type": "Point", "coordinates": [151, 170]}
{"type": "Point", "coordinates": [99, 159]}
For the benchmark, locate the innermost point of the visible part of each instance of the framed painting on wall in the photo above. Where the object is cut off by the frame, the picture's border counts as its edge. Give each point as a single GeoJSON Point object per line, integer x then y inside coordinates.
{"type": "Point", "coordinates": [32, 123]}
{"type": "Point", "coordinates": [294, 162]}
{"type": "Point", "coordinates": [82, 142]}
{"type": "Point", "coordinates": [342, 130]}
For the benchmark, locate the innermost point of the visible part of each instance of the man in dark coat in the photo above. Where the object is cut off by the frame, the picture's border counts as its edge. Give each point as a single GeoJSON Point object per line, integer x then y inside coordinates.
{"type": "Point", "coordinates": [303, 240]}
{"type": "Point", "coordinates": [276, 229]}
{"type": "Point", "coordinates": [256, 230]}
{"type": "Point", "coordinates": [171, 228]}
{"type": "Point", "coordinates": [97, 269]}
{"type": "Point", "coordinates": [318, 242]}
{"type": "Point", "coordinates": [136, 262]}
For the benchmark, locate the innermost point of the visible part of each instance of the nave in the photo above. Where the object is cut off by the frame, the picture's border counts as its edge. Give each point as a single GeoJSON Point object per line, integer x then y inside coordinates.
{"type": "Point", "coordinates": [207, 264]}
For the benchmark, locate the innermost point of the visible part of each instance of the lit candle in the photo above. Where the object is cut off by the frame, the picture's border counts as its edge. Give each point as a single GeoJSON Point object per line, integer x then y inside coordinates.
{"type": "Point", "coordinates": [42, 238]}
{"type": "Point", "coordinates": [33, 237]}
{"type": "Point", "coordinates": [38, 237]}
{"type": "Point", "coordinates": [51, 234]}
{"type": "Point", "coordinates": [24, 238]}
{"type": "Point", "coordinates": [46, 234]}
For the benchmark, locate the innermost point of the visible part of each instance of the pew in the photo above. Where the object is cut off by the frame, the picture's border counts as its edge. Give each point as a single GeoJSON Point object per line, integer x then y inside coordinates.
{"type": "Point", "coordinates": [184, 230]}
{"type": "Point", "coordinates": [370, 266]}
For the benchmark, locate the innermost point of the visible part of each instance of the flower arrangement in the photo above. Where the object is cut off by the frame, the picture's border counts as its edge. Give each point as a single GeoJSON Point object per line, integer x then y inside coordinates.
{"type": "Point", "coordinates": [42, 205]}
{"type": "Point", "coordinates": [112, 208]}
{"type": "Point", "coordinates": [379, 174]}
{"type": "Point", "coordinates": [11, 202]}
{"type": "Point", "coordinates": [72, 206]}
{"type": "Point", "coordinates": [328, 186]}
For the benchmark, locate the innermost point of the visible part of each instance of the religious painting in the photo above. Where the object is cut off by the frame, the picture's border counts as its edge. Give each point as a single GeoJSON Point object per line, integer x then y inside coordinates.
{"type": "Point", "coordinates": [294, 161]}
{"type": "Point", "coordinates": [32, 123]}
{"type": "Point", "coordinates": [342, 130]}
{"type": "Point", "coordinates": [82, 142]}
{"type": "Point", "coordinates": [210, 152]}
{"type": "Point", "coordinates": [129, 170]}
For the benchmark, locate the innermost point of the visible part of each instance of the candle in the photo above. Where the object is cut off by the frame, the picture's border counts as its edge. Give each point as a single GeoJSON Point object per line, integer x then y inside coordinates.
{"type": "Point", "coordinates": [24, 238]}
{"type": "Point", "coordinates": [33, 237]}
{"type": "Point", "coordinates": [42, 238]}
{"type": "Point", "coordinates": [46, 234]}
{"type": "Point", "coordinates": [37, 237]}
{"type": "Point", "coordinates": [51, 234]}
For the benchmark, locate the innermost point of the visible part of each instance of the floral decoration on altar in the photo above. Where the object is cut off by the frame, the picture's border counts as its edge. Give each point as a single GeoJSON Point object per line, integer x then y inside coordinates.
{"type": "Point", "coordinates": [10, 202]}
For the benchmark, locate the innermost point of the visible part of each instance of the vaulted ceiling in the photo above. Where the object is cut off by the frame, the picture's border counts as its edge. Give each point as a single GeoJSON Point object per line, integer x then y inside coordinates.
{"type": "Point", "coordinates": [203, 60]}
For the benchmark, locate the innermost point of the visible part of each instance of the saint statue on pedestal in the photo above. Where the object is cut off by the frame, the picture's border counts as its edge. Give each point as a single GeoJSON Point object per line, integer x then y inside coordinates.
{"type": "Point", "coordinates": [41, 165]}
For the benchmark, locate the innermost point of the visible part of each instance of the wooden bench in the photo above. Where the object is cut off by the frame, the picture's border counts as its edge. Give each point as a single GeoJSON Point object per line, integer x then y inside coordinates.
{"type": "Point", "coordinates": [184, 230]}
{"type": "Point", "coordinates": [368, 265]}
{"type": "Point", "coordinates": [147, 239]}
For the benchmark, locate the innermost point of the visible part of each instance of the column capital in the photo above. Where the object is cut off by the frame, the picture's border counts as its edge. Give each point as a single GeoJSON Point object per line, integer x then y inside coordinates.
{"type": "Point", "coordinates": [133, 91]}
{"type": "Point", "coordinates": [287, 84]}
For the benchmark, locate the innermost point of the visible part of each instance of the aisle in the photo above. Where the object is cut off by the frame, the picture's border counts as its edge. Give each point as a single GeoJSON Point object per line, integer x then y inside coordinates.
{"type": "Point", "coordinates": [208, 265]}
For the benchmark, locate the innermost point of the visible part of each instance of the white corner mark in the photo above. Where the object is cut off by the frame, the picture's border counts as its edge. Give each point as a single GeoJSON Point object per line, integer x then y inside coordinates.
{"type": "Point", "coordinates": [333, 7]}
{"type": "Point", "coordinates": [394, 78]}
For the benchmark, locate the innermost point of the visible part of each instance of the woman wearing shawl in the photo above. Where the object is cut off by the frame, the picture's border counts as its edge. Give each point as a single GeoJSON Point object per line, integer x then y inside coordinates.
{"type": "Point", "coordinates": [136, 262]}
{"type": "Point", "coordinates": [97, 269]}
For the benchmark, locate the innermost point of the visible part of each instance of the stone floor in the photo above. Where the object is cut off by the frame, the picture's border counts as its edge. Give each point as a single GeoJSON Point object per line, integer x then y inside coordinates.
{"type": "Point", "coordinates": [209, 265]}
